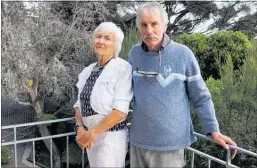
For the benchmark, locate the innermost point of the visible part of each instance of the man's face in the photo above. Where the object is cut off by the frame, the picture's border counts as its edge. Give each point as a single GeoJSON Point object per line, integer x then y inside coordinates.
{"type": "Point", "coordinates": [152, 28]}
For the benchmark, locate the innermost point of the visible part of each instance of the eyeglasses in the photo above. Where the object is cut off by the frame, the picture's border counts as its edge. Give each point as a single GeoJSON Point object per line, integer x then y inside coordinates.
{"type": "Point", "coordinates": [146, 72]}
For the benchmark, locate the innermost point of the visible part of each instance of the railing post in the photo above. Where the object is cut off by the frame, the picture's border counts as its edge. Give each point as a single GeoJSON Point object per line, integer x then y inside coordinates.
{"type": "Point", "coordinates": [15, 147]}
{"type": "Point", "coordinates": [34, 154]}
{"type": "Point", "coordinates": [192, 159]}
{"type": "Point", "coordinates": [228, 160]}
{"type": "Point", "coordinates": [67, 150]}
{"type": "Point", "coordinates": [209, 163]}
{"type": "Point", "coordinates": [51, 152]}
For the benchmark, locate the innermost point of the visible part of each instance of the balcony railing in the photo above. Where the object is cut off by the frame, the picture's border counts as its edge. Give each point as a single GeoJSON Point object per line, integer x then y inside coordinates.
{"type": "Point", "coordinates": [193, 151]}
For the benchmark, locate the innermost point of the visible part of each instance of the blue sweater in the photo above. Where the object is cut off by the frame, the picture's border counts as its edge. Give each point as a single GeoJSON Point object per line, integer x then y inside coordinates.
{"type": "Point", "coordinates": [161, 114]}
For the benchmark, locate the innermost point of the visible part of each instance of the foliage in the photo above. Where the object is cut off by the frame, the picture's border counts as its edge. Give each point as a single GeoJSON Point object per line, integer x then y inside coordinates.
{"type": "Point", "coordinates": [240, 93]}
{"type": "Point", "coordinates": [209, 50]}
{"type": "Point", "coordinates": [46, 117]}
{"type": "Point", "coordinates": [228, 42]}
{"type": "Point", "coordinates": [86, 14]}
{"type": "Point", "coordinates": [132, 37]}
{"type": "Point", "coordinates": [5, 155]}
{"type": "Point", "coordinates": [185, 15]}
{"type": "Point", "coordinates": [181, 11]}
{"type": "Point", "coordinates": [236, 16]}
{"type": "Point", "coordinates": [42, 48]}
{"type": "Point", "coordinates": [234, 96]}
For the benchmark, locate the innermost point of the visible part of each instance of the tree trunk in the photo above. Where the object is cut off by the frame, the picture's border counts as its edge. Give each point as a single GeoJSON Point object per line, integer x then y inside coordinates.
{"type": "Point", "coordinates": [45, 132]}
{"type": "Point", "coordinates": [56, 154]}
{"type": "Point", "coordinates": [38, 109]}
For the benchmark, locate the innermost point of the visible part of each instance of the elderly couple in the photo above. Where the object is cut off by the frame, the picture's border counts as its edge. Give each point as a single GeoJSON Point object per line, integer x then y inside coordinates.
{"type": "Point", "coordinates": [163, 77]}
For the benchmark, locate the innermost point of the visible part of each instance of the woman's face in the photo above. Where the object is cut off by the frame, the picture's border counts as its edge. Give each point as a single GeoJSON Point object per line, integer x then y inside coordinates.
{"type": "Point", "coordinates": [104, 44]}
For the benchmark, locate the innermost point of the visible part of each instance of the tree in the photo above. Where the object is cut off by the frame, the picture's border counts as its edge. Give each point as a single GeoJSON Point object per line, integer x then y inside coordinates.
{"type": "Point", "coordinates": [85, 13]}
{"type": "Point", "coordinates": [187, 14]}
{"type": "Point", "coordinates": [41, 57]}
{"type": "Point", "coordinates": [184, 16]}
{"type": "Point", "coordinates": [236, 16]}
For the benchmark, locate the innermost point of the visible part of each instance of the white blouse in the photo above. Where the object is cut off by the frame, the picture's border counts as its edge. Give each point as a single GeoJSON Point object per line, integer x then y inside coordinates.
{"type": "Point", "coordinates": [112, 89]}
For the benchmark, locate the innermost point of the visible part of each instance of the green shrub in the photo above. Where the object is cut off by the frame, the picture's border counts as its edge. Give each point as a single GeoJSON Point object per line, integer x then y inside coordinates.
{"type": "Point", "coordinates": [5, 155]}
{"type": "Point", "coordinates": [234, 97]}
{"type": "Point", "coordinates": [211, 50]}
{"type": "Point", "coordinates": [233, 43]}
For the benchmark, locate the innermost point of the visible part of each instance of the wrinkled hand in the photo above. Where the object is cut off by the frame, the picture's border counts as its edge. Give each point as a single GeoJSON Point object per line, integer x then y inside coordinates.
{"type": "Point", "coordinates": [85, 138]}
{"type": "Point", "coordinates": [223, 141]}
{"type": "Point", "coordinates": [90, 139]}
{"type": "Point", "coordinates": [82, 137]}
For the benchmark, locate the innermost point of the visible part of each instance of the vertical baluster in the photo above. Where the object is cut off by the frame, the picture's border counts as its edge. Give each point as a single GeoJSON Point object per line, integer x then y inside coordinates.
{"type": "Point", "coordinates": [15, 147]}
{"type": "Point", "coordinates": [51, 152]}
{"type": "Point", "coordinates": [34, 153]}
{"type": "Point", "coordinates": [67, 150]}
{"type": "Point", "coordinates": [209, 163]}
{"type": "Point", "coordinates": [192, 159]}
{"type": "Point", "coordinates": [228, 160]}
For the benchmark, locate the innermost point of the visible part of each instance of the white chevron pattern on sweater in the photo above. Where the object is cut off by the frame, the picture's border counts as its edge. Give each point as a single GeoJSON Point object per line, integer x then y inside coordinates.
{"type": "Point", "coordinates": [166, 81]}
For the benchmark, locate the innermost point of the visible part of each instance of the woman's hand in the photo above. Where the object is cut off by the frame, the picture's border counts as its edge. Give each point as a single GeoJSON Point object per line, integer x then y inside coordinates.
{"type": "Point", "coordinates": [82, 136]}
{"type": "Point", "coordinates": [90, 139]}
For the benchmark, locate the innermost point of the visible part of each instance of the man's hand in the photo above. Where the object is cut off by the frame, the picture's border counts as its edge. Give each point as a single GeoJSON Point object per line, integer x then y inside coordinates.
{"type": "Point", "coordinates": [223, 141]}
{"type": "Point", "coordinates": [82, 136]}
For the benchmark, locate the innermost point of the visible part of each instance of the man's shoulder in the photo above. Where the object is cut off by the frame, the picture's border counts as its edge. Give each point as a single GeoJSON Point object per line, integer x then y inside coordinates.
{"type": "Point", "coordinates": [179, 46]}
{"type": "Point", "coordinates": [181, 51]}
{"type": "Point", "coordinates": [136, 48]}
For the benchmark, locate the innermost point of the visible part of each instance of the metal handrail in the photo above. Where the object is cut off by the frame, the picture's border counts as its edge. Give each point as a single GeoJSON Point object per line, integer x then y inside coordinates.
{"type": "Point", "coordinates": [194, 151]}
{"type": "Point", "coordinates": [230, 146]}
{"type": "Point", "coordinates": [38, 123]}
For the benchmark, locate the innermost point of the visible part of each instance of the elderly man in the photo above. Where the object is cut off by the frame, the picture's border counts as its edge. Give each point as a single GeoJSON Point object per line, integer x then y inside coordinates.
{"type": "Point", "coordinates": [166, 79]}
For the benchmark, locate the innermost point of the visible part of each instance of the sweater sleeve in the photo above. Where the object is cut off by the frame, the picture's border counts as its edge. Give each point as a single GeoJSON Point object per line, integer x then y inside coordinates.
{"type": "Point", "coordinates": [199, 95]}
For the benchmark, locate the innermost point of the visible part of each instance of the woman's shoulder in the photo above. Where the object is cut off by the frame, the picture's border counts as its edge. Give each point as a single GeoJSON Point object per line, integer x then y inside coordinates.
{"type": "Point", "coordinates": [120, 62]}
{"type": "Point", "coordinates": [87, 69]}
{"type": "Point", "coordinates": [120, 66]}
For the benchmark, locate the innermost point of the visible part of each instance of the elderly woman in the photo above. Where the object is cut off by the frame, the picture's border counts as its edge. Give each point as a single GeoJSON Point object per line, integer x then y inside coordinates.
{"type": "Point", "coordinates": [104, 94]}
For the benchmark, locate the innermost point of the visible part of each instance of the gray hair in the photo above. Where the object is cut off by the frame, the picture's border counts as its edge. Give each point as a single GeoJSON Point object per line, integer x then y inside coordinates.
{"type": "Point", "coordinates": [152, 5]}
{"type": "Point", "coordinates": [119, 35]}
